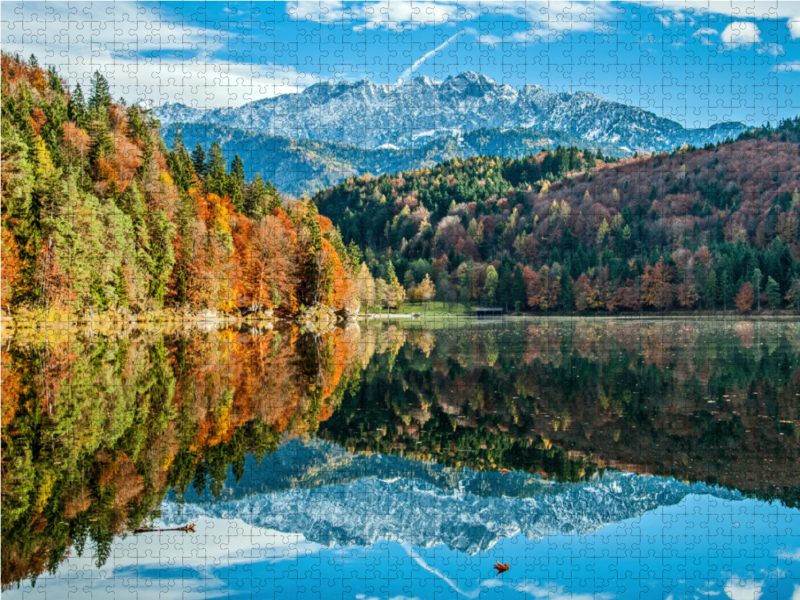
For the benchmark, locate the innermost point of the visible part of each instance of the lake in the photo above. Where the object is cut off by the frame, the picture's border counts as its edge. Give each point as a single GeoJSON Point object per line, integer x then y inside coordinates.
{"type": "Point", "coordinates": [598, 458]}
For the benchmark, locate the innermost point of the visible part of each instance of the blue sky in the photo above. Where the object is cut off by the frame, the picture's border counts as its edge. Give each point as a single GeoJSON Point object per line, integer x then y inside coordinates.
{"type": "Point", "coordinates": [695, 62]}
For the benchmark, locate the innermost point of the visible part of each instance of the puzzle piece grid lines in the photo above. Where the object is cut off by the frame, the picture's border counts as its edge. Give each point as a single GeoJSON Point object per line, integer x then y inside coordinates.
{"type": "Point", "coordinates": [740, 547]}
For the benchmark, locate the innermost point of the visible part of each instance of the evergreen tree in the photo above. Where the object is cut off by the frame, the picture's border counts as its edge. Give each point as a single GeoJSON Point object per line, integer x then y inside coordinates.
{"type": "Point", "coordinates": [235, 183]}
{"type": "Point", "coordinates": [180, 163]}
{"type": "Point", "coordinates": [199, 160]}
{"type": "Point", "coordinates": [260, 199]}
{"type": "Point", "coordinates": [725, 288]}
{"type": "Point", "coordinates": [102, 144]}
{"type": "Point", "coordinates": [237, 170]}
{"type": "Point", "coordinates": [756, 280]}
{"type": "Point", "coordinates": [773, 292]}
{"type": "Point", "coordinates": [567, 292]}
{"type": "Point", "coordinates": [76, 107]}
{"type": "Point", "coordinates": [712, 291]}
{"type": "Point", "coordinates": [216, 171]}
{"type": "Point", "coordinates": [465, 284]}
{"type": "Point", "coordinates": [55, 81]}
{"type": "Point", "coordinates": [100, 96]}
{"type": "Point", "coordinates": [518, 293]}
{"type": "Point", "coordinates": [139, 132]}
{"type": "Point", "coordinates": [162, 233]}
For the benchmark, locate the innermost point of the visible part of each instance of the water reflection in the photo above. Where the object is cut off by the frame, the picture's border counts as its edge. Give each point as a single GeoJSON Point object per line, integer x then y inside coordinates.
{"type": "Point", "coordinates": [382, 447]}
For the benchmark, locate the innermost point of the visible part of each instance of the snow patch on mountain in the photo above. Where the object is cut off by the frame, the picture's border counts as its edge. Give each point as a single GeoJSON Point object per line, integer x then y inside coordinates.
{"type": "Point", "coordinates": [424, 509]}
{"type": "Point", "coordinates": [370, 115]}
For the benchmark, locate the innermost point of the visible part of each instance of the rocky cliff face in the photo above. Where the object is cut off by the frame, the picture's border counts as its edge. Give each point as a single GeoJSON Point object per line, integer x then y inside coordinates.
{"type": "Point", "coordinates": [374, 116]}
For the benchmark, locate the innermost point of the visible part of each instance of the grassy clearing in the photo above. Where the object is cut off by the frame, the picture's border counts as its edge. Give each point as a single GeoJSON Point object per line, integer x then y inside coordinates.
{"type": "Point", "coordinates": [425, 308]}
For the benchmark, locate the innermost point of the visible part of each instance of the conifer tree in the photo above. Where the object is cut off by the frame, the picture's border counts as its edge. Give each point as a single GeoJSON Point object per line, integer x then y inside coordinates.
{"type": "Point", "coordinates": [518, 288]}
{"type": "Point", "coordinates": [216, 171]}
{"type": "Point", "coordinates": [102, 144]}
{"type": "Point", "coordinates": [76, 107]}
{"type": "Point", "coordinates": [100, 96]}
{"type": "Point", "coordinates": [199, 160]}
{"type": "Point", "coordinates": [237, 170]}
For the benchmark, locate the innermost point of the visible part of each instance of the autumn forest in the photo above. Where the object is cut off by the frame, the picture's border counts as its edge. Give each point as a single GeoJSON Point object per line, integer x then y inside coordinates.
{"type": "Point", "coordinates": [100, 215]}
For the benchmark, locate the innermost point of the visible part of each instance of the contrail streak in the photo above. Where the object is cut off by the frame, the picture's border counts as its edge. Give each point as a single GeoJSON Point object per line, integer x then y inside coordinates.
{"type": "Point", "coordinates": [407, 73]}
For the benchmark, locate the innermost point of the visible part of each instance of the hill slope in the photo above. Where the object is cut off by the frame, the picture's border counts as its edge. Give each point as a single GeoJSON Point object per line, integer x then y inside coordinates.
{"type": "Point", "coordinates": [97, 215]}
{"type": "Point", "coordinates": [692, 229]}
{"type": "Point", "coordinates": [297, 166]}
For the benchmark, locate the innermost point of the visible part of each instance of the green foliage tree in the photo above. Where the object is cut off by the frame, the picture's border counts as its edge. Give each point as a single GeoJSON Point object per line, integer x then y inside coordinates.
{"type": "Point", "coordinates": [216, 171]}
{"type": "Point", "coordinates": [199, 160]}
{"type": "Point", "coordinates": [773, 292]}
{"type": "Point", "coordinates": [76, 107]}
{"type": "Point", "coordinates": [490, 286]}
{"type": "Point", "coordinates": [756, 280]}
{"type": "Point", "coordinates": [518, 293]}
{"type": "Point", "coordinates": [100, 96]}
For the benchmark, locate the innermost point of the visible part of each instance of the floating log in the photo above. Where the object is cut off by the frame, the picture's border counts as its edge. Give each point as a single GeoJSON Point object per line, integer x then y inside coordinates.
{"type": "Point", "coordinates": [187, 528]}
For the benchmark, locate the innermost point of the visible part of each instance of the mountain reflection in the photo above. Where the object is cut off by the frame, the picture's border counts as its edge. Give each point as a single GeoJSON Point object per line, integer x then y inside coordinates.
{"type": "Point", "coordinates": [413, 424]}
{"type": "Point", "coordinates": [355, 500]}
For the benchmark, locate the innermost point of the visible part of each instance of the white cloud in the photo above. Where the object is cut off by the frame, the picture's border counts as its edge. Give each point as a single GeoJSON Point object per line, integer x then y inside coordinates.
{"type": "Point", "coordinates": [321, 11]}
{"type": "Point", "coordinates": [408, 14]}
{"type": "Point", "coordinates": [740, 34]}
{"type": "Point", "coordinates": [552, 591]}
{"type": "Point", "coordinates": [549, 19]}
{"type": "Point", "coordinates": [705, 31]}
{"type": "Point", "coordinates": [704, 34]}
{"type": "Point", "coordinates": [774, 9]}
{"type": "Point", "coordinates": [489, 40]}
{"type": "Point", "coordinates": [144, 55]}
{"type": "Point", "coordinates": [679, 18]}
{"type": "Point", "coordinates": [396, 15]}
{"type": "Point", "coordinates": [743, 589]}
{"type": "Point", "coordinates": [793, 554]}
{"type": "Point", "coordinates": [794, 26]}
{"type": "Point", "coordinates": [796, 594]}
{"type": "Point", "coordinates": [135, 558]}
{"type": "Point", "coordinates": [771, 48]}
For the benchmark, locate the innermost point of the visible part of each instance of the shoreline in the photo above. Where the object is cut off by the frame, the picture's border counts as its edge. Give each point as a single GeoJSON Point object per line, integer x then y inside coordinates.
{"type": "Point", "coordinates": [8, 324]}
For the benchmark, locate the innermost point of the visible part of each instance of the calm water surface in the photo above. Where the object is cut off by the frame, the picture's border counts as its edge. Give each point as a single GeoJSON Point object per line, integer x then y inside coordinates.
{"type": "Point", "coordinates": [599, 459]}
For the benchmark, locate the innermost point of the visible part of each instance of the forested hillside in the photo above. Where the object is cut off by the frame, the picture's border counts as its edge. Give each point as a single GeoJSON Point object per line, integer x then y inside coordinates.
{"type": "Point", "coordinates": [298, 166]}
{"type": "Point", "coordinates": [565, 231]}
{"type": "Point", "coordinates": [98, 216]}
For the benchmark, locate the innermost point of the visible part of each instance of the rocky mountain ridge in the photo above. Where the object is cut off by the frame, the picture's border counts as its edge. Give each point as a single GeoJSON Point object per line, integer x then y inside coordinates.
{"type": "Point", "coordinates": [371, 116]}
{"type": "Point", "coordinates": [393, 498]}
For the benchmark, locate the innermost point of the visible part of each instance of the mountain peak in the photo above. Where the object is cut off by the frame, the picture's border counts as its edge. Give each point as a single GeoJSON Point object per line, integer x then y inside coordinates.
{"type": "Point", "coordinates": [370, 116]}
{"type": "Point", "coordinates": [419, 80]}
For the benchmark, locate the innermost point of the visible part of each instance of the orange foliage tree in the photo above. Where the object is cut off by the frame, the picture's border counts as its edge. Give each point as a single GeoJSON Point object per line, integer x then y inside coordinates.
{"type": "Point", "coordinates": [745, 298]}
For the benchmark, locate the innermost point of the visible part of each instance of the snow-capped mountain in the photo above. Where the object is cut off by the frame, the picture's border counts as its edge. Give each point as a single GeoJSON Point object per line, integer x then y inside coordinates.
{"type": "Point", "coordinates": [425, 504]}
{"type": "Point", "coordinates": [374, 116]}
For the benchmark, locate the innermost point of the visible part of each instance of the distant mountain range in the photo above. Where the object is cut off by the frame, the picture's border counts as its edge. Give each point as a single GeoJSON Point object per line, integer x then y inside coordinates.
{"type": "Point", "coordinates": [389, 128]}
{"type": "Point", "coordinates": [372, 116]}
{"type": "Point", "coordinates": [331, 496]}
